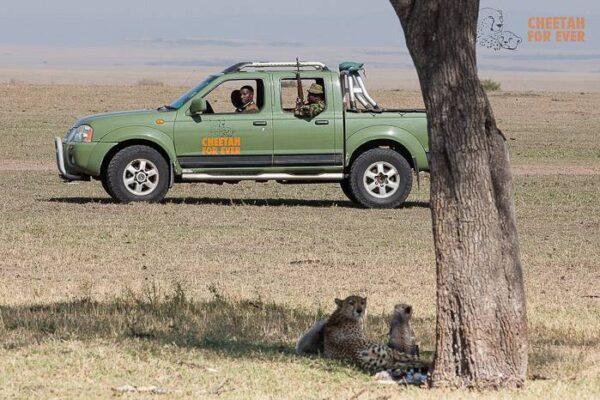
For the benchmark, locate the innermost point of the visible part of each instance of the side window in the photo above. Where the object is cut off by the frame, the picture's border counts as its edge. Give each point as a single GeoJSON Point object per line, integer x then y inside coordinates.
{"type": "Point", "coordinates": [237, 96]}
{"type": "Point", "coordinates": [289, 92]}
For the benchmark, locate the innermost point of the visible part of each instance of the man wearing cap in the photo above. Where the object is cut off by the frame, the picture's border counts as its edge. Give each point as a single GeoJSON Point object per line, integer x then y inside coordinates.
{"type": "Point", "coordinates": [315, 104]}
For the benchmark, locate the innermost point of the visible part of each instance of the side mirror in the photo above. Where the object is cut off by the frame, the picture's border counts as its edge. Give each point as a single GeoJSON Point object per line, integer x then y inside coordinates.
{"type": "Point", "coordinates": [198, 106]}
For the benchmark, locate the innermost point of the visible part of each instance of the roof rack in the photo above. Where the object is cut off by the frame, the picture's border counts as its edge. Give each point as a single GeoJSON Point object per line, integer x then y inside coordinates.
{"type": "Point", "coordinates": [302, 64]}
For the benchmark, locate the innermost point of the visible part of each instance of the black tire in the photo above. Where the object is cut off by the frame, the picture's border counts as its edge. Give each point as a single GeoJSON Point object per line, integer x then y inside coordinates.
{"type": "Point", "coordinates": [345, 185]}
{"type": "Point", "coordinates": [387, 171]}
{"type": "Point", "coordinates": [137, 173]}
{"type": "Point", "coordinates": [105, 186]}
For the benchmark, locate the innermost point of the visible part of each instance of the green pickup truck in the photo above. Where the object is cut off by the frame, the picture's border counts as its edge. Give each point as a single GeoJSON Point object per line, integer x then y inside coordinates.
{"type": "Point", "coordinates": [241, 124]}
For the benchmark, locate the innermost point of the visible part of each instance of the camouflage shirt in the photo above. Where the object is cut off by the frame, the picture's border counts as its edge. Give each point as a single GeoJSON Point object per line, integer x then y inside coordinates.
{"type": "Point", "coordinates": [250, 107]}
{"type": "Point", "coordinates": [310, 110]}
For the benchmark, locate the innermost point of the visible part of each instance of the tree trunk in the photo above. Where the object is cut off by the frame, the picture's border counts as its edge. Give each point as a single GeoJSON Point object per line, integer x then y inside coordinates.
{"type": "Point", "coordinates": [481, 333]}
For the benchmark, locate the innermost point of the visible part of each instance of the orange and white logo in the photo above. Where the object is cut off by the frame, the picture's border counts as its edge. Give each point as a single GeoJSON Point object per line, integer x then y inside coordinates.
{"type": "Point", "coordinates": [556, 29]}
{"type": "Point", "coordinates": [220, 146]}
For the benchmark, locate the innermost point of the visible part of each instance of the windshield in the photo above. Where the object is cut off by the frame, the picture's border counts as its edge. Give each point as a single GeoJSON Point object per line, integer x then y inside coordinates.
{"type": "Point", "coordinates": [192, 92]}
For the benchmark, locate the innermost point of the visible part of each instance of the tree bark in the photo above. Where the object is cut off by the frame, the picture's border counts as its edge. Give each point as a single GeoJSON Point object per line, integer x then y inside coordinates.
{"type": "Point", "coordinates": [481, 332]}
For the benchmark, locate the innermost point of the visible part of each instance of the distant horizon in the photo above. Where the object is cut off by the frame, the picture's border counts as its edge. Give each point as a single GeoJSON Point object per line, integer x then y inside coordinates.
{"type": "Point", "coordinates": [214, 52]}
{"type": "Point", "coordinates": [149, 36]}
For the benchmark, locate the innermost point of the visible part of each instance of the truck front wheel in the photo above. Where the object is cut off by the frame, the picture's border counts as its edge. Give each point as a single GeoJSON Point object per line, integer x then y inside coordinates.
{"type": "Point", "coordinates": [380, 178]}
{"type": "Point", "coordinates": [345, 185]}
{"type": "Point", "coordinates": [137, 173]}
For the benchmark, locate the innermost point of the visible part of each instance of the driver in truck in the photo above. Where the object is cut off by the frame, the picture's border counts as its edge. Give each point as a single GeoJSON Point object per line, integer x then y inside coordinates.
{"type": "Point", "coordinates": [247, 96]}
{"type": "Point", "coordinates": [315, 104]}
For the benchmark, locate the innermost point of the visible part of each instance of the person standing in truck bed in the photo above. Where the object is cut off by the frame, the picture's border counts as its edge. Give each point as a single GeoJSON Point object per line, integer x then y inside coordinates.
{"type": "Point", "coordinates": [315, 104]}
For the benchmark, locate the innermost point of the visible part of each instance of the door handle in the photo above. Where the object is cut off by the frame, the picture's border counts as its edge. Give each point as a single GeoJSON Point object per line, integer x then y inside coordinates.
{"type": "Point", "coordinates": [321, 122]}
{"type": "Point", "coordinates": [259, 123]}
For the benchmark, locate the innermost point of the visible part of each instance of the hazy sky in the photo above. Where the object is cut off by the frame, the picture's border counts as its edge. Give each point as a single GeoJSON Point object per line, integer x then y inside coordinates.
{"type": "Point", "coordinates": [105, 22]}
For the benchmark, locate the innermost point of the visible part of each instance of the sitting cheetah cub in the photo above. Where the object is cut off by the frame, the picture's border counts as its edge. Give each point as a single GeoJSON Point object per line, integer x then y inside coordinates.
{"type": "Point", "coordinates": [344, 339]}
{"type": "Point", "coordinates": [402, 336]}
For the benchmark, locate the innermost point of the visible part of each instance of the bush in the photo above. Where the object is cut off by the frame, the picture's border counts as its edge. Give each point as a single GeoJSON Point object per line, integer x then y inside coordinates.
{"type": "Point", "coordinates": [490, 85]}
{"type": "Point", "coordinates": [149, 82]}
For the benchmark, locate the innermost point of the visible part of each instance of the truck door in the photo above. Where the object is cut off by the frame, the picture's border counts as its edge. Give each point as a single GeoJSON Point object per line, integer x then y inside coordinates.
{"type": "Point", "coordinates": [303, 143]}
{"type": "Point", "coordinates": [228, 136]}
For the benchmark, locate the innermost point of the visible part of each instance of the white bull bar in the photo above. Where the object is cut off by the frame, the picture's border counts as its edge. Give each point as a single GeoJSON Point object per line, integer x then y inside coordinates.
{"type": "Point", "coordinates": [60, 162]}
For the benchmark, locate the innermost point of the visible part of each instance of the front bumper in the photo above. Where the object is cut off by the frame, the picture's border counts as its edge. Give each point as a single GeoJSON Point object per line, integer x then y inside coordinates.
{"type": "Point", "coordinates": [60, 162]}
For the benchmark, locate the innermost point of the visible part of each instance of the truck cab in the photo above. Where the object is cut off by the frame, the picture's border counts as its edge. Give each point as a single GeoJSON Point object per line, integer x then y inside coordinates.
{"type": "Point", "coordinates": [209, 135]}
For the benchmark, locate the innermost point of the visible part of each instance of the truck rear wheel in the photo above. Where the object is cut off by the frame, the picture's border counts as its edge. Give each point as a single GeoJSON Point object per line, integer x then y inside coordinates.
{"type": "Point", "coordinates": [380, 178]}
{"type": "Point", "coordinates": [137, 173]}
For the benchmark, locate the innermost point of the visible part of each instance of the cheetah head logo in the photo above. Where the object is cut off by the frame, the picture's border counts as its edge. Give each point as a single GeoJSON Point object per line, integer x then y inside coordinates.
{"type": "Point", "coordinates": [509, 40]}
{"type": "Point", "coordinates": [491, 33]}
{"type": "Point", "coordinates": [490, 20]}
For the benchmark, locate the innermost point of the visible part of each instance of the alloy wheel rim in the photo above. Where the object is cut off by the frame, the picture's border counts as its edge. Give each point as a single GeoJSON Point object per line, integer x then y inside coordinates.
{"type": "Point", "coordinates": [140, 177]}
{"type": "Point", "coordinates": [381, 179]}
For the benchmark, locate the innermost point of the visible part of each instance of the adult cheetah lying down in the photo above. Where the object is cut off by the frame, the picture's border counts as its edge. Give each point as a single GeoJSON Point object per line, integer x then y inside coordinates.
{"type": "Point", "coordinates": [343, 338]}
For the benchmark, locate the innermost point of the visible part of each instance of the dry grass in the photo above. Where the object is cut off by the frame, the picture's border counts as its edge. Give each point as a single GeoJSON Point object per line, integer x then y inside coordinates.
{"type": "Point", "coordinates": [94, 295]}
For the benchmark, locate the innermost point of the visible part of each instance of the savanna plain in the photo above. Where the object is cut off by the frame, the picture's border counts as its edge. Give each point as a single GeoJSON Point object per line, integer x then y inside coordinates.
{"type": "Point", "coordinates": [205, 294]}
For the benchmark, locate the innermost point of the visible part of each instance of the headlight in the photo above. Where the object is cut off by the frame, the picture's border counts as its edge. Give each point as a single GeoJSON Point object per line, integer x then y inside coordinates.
{"type": "Point", "coordinates": [82, 134]}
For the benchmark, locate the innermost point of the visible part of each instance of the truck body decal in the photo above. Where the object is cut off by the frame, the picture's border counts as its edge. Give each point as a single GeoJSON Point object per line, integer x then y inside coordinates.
{"type": "Point", "coordinates": [308, 159]}
{"type": "Point", "coordinates": [232, 161]}
{"type": "Point", "coordinates": [225, 161]}
{"type": "Point", "coordinates": [221, 146]}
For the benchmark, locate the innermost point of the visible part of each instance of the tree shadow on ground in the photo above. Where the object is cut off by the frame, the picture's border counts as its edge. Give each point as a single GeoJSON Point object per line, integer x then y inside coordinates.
{"type": "Point", "coordinates": [233, 328]}
{"type": "Point", "coordinates": [246, 328]}
{"type": "Point", "coordinates": [238, 202]}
